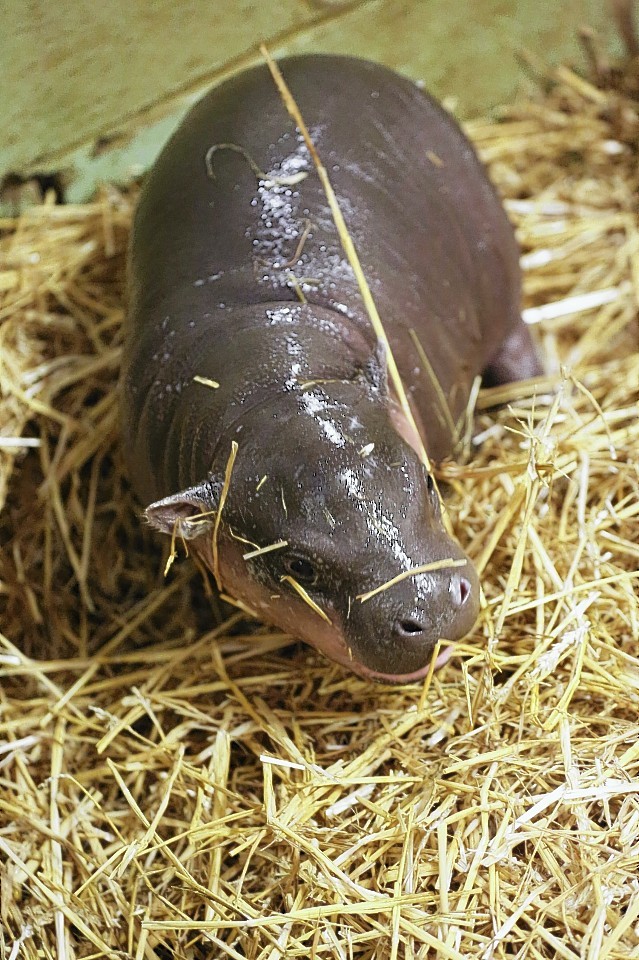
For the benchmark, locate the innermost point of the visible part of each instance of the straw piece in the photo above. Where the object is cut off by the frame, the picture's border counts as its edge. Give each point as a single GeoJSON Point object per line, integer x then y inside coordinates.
{"type": "Point", "coordinates": [308, 600]}
{"type": "Point", "coordinates": [207, 382]}
{"type": "Point", "coordinates": [267, 549]}
{"type": "Point", "coordinates": [347, 243]}
{"type": "Point", "coordinates": [413, 572]}
{"type": "Point", "coordinates": [218, 514]}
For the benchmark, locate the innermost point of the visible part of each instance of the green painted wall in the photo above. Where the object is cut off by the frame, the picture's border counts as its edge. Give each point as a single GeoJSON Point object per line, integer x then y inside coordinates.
{"type": "Point", "coordinates": [93, 89]}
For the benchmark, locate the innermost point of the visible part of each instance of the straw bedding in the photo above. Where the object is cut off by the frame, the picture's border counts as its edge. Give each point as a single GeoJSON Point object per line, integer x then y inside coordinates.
{"type": "Point", "coordinates": [199, 786]}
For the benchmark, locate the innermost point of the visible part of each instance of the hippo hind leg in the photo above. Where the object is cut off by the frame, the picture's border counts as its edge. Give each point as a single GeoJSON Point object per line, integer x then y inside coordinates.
{"type": "Point", "coordinates": [516, 359]}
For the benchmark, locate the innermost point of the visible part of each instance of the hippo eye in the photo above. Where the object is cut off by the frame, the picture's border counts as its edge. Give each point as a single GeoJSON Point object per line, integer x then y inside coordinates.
{"type": "Point", "coordinates": [301, 569]}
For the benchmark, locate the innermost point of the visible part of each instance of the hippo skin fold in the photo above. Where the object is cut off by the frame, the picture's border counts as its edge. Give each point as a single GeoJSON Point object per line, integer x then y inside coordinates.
{"type": "Point", "coordinates": [238, 279]}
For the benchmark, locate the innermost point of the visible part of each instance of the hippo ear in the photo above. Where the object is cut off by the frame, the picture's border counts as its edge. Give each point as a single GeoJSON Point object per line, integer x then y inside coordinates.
{"type": "Point", "coordinates": [188, 513]}
{"type": "Point", "coordinates": [375, 370]}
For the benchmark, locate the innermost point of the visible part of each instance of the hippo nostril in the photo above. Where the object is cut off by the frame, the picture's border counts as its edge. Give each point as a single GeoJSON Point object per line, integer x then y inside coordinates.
{"type": "Point", "coordinates": [464, 589]}
{"type": "Point", "coordinates": [408, 628]}
{"type": "Point", "coordinates": [460, 591]}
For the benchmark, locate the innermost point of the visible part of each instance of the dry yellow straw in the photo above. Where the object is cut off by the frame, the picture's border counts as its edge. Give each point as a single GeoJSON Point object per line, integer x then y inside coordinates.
{"type": "Point", "coordinates": [347, 243]}
{"type": "Point", "coordinates": [268, 549]}
{"type": "Point", "coordinates": [207, 382]}
{"type": "Point", "coordinates": [299, 589]}
{"type": "Point", "coordinates": [405, 574]}
{"type": "Point", "coordinates": [218, 516]}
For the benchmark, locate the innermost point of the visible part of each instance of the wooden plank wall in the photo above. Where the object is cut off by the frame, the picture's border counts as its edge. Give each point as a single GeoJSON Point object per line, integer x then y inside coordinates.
{"type": "Point", "coordinates": [92, 88]}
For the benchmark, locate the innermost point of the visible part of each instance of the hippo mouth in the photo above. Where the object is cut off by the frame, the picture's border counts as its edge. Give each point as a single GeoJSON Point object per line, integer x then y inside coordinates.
{"type": "Point", "coordinates": [399, 678]}
{"type": "Point", "coordinates": [330, 642]}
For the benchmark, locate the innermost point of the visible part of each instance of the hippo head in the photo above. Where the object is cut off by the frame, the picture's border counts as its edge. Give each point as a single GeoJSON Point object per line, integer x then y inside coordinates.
{"type": "Point", "coordinates": [331, 529]}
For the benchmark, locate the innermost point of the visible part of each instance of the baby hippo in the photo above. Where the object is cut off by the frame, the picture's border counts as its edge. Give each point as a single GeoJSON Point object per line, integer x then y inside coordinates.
{"type": "Point", "coordinates": [257, 416]}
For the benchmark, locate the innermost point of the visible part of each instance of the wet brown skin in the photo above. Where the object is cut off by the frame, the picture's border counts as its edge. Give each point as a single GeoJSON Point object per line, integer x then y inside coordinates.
{"type": "Point", "coordinates": [221, 260]}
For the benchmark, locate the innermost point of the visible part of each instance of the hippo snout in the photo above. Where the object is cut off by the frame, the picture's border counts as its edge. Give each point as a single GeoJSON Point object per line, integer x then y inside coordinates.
{"type": "Point", "coordinates": [414, 626]}
{"type": "Point", "coordinates": [394, 634]}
